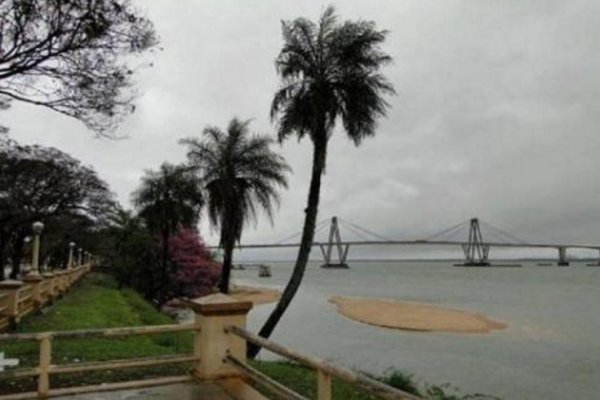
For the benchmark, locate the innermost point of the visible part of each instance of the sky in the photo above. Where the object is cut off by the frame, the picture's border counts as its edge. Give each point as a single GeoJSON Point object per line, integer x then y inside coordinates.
{"type": "Point", "coordinates": [495, 116]}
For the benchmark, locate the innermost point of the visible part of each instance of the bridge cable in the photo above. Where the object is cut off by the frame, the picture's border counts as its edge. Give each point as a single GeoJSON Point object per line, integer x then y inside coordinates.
{"type": "Point", "coordinates": [454, 229]}
{"type": "Point", "coordinates": [381, 237]}
{"type": "Point", "coordinates": [296, 234]}
{"type": "Point", "coordinates": [319, 229]}
{"type": "Point", "coordinates": [357, 233]}
{"type": "Point", "coordinates": [503, 233]}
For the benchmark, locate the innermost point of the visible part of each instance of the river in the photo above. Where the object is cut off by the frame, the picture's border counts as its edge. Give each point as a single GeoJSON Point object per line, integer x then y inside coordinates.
{"type": "Point", "coordinates": [550, 350]}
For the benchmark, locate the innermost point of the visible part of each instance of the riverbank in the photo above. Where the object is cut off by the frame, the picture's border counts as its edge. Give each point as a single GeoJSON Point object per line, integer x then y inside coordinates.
{"type": "Point", "coordinates": [255, 294]}
{"type": "Point", "coordinates": [97, 302]}
{"type": "Point", "coordinates": [411, 316]}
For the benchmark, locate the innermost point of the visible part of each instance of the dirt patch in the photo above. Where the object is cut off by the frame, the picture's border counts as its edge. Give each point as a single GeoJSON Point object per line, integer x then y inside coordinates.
{"type": "Point", "coordinates": [413, 316]}
{"type": "Point", "coordinates": [256, 295]}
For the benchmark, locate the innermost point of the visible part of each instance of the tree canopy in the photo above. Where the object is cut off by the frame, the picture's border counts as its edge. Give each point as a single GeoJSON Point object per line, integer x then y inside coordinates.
{"type": "Point", "coordinates": [70, 56]}
{"type": "Point", "coordinates": [168, 200]}
{"type": "Point", "coordinates": [330, 71]}
{"type": "Point", "coordinates": [46, 184]}
{"type": "Point", "coordinates": [240, 175]}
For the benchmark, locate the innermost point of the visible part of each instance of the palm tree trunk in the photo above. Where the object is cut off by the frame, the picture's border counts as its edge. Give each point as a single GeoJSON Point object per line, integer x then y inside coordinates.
{"type": "Point", "coordinates": [165, 259]}
{"type": "Point", "coordinates": [227, 264]}
{"type": "Point", "coordinates": [308, 233]}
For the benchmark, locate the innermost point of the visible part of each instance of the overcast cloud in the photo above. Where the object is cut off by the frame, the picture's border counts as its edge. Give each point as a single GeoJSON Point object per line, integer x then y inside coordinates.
{"type": "Point", "coordinates": [496, 114]}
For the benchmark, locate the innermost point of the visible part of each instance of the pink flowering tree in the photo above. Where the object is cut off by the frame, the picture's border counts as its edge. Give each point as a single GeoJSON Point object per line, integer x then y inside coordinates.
{"type": "Point", "coordinates": [195, 272]}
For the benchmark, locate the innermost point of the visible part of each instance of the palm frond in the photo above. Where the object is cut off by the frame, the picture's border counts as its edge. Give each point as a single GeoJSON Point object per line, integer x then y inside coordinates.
{"type": "Point", "coordinates": [240, 174]}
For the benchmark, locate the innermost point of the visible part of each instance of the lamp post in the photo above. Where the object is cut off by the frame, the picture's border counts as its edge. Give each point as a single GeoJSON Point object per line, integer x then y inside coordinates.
{"type": "Point", "coordinates": [80, 255]}
{"type": "Point", "coordinates": [37, 228]}
{"type": "Point", "coordinates": [71, 249]}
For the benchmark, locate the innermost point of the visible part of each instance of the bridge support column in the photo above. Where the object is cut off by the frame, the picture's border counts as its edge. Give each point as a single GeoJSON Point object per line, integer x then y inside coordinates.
{"type": "Point", "coordinates": [335, 240]}
{"type": "Point", "coordinates": [562, 257]}
{"type": "Point", "coordinates": [476, 251]}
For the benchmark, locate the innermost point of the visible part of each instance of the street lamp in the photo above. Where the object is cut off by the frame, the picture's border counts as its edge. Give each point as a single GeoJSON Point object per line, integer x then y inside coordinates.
{"type": "Point", "coordinates": [37, 229]}
{"type": "Point", "coordinates": [71, 248]}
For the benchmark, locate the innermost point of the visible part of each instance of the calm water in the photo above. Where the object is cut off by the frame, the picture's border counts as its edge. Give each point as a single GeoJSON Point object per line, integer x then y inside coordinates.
{"type": "Point", "coordinates": [550, 350]}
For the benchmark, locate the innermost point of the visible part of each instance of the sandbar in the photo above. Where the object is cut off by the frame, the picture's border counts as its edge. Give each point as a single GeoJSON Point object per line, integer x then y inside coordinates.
{"type": "Point", "coordinates": [257, 295]}
{"type": "Point", "coordinates": [413, 316]}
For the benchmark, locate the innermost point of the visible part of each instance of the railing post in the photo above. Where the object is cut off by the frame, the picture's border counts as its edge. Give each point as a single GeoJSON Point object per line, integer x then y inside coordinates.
{"type": "Point", "coordinates": [11, 288]}
{"type": "Point", "coordinates": [35, 281]}
{"type": "Point", "coordinates": [44, 367]}
{"type": "Point", "coordinates": [323, 385]}
{"type": "Point", "coordinates": [70, 262]}
{"type": "Point", "coordinates": [212, 344]}
{"type": "Point", "coordinates": [49, 276]}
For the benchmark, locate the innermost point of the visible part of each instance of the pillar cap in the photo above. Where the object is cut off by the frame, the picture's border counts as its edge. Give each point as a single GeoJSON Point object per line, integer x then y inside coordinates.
{"type": "Point", "coordinates": [218, 304]}
{"type": "Point", "coordinates": [10, 284]}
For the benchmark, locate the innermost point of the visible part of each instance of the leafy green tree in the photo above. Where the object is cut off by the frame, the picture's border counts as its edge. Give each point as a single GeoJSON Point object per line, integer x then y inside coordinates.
{"type": "Point", "coordinates": [240, 174]}
{"type": "Point", "coordinates": [329, 71]}
{"type": "Point", "coordinates": [168, 199]}
{"type": "Point", "coordinates": [70, 56]}
{"type": "Point", "coordinates": [40, 183]}
{"type": "Point", "coordinates": [131, 253]}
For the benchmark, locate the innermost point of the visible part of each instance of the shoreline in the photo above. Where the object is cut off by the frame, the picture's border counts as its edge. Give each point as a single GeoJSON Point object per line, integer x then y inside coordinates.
{"type": "Point", "coordinates": [256, 294]}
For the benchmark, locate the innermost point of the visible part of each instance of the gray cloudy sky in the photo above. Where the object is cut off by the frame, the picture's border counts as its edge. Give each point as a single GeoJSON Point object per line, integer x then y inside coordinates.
{"type": "Point", "coordinates": [496, 114]}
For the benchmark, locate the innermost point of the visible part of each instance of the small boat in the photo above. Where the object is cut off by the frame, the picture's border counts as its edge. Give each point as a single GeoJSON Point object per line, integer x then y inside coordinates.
{"type": "Point", "coordinates": [264, 271]}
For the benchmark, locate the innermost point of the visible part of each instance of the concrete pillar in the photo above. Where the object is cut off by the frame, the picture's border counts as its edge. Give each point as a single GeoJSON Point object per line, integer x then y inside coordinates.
{"type": "Point", "coordinates": [562, 256]}
{"type": "Point", "coordinates": [71, 260]}
{"type": "Point", "coordinates": [11, 289]}
{"type": "Point", "coordinates": [37, 228]}
{"type": "Point", "coordinates": [211, 343]}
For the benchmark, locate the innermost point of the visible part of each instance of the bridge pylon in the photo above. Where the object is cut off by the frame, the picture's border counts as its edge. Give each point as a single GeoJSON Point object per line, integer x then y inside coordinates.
{"type": "Point", "coordinates": [562, 257]}
{"type": "Point", "coordinates": [476, 251]}
{"type": "Point", "coordinates": [335, 243]}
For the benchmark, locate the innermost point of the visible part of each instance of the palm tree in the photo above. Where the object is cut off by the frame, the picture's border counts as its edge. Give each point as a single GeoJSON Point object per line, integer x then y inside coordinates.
{"type": "Point", "coordinates": [167, 200]}
{"type": "Point", "coordinates": [240, 174]}
{"type": "Point", "coordinates": [329, 71]}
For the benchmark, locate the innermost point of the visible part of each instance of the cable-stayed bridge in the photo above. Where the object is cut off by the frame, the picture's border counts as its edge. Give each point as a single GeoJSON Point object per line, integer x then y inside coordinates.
{"type": "Point", "coordinates": [474, 237]}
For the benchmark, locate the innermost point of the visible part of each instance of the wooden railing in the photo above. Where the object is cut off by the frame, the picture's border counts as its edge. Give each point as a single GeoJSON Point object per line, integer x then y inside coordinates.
{"type": "Point", "coordinates": [45, 368]}
{"type": "Point", "coordinates": [19, 298]}
{"type": "Point", "coordinates": [4, 320]}
{"type": "Point", "coordinates": [325, 371]}
{"type": "Point", "coordinates": [219, 356]}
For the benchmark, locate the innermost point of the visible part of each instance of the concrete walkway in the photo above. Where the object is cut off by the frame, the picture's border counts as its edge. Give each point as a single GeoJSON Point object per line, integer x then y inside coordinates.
{"type": "Point", "coordinates": [183, 391]}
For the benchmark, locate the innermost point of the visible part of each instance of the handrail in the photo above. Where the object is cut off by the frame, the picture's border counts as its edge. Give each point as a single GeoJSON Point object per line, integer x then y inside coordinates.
{"type": "Point", "coordinates": [107, 332]}
{"type": "Point", "coordinates": [368, 384]}
{"type": "Point", "coordinates": [45, 367]}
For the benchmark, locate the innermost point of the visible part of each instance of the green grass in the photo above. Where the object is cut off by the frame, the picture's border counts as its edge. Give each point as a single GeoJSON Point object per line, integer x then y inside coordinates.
{"type": "Point", "coordinates": [97, 302]}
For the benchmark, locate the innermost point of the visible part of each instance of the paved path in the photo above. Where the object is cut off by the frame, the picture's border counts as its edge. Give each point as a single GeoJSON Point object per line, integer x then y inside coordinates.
{"type": "Point", "coordinates": [183, 391]}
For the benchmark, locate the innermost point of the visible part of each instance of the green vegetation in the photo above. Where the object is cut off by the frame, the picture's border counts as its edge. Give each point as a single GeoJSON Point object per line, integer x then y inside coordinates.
{"type": "Point", "coordinates": [98, 303]}
{"type": "Point", "coordinates": [303, 380]}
